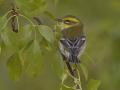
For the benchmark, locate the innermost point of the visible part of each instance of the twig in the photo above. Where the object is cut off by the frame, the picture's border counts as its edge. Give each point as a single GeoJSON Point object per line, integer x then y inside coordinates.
{"type": "Point", "coordinates": [12, 5]}
{"type": "Point", "coordinates": [27, 19]}
{"type": "Point", "coordinates": [70, 69]}
{"type": "Point", "coordinates": [13, 18]}
{"type": "Point", "coordinates": [71, 72]}
{"type": "Point", "coordinates": [13, 8]}
{"type": "Point", "coordinates": [38, 20]}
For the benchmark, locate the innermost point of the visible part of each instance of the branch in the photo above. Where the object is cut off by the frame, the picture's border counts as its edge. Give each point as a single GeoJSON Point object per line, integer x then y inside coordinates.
{"type": "Point", "coordinates": [38, 20]}
{"type": "Point", "coordinates": [12, 5]}
{"type": "Point", "coordinates": [13, 18]}
{"type": "Point", "coordinates": [70, 69]}
{"type": "Point", "coordinates": [71, 72]}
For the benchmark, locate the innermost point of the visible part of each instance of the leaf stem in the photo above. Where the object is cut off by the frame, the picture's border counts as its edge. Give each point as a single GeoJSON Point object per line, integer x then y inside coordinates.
{"type": "Point", "coordinates": [17, 22]}
{"type": "Point", "coordinates": [79, 79]}
{"type": "Point", "coordinates": [15, 6]}
{"type": "Point", "coordinates": [27, 19]}
{"type": "Point", "coordinates": [63, 79]}
{"type": "Point", "coordinates": [35, 33]}
{"type": "Point", "coordinates": [71, 76]}
{"type": "Point", "coordinates": [7, 21]}
{"type": "Point", "coordinates": [6, 14]}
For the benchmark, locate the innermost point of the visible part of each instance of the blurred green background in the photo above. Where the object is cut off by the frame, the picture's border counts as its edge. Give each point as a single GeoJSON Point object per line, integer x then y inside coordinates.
{"type": "Point", "coordinates": [101, 19]}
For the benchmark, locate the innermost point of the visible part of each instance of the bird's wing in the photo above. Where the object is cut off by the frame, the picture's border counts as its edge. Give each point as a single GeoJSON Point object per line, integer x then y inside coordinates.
{"type": "Point", "coordinates": [73, 45]}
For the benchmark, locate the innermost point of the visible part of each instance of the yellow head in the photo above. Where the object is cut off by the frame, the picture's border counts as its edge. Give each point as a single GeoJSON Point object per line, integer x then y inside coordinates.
{"type": "Point", "coordinates": [71, 26]}
{"type": "Point", "coordinates": [69, 21]}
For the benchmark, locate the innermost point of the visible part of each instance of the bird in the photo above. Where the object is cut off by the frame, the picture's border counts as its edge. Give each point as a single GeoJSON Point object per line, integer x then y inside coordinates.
{"type": "Point", "coordinates": [73, 42]}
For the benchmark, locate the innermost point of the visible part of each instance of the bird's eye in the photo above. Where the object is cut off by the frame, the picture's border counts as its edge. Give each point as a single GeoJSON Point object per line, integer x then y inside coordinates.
{"type": "Point", "coordinates": [67, 21]}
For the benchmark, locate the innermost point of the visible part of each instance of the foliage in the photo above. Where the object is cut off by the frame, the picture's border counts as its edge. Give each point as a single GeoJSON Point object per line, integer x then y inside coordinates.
{"type": "Point", "coordinates": [24, 43]}
{"type": "Point", "coordinates": [15, 67]}
{"type": "Point", "coordinates": [93, 84]}
{"type": "Point", "coordinates": [58, 64]}
{"type": "Point", "coordinates": [34, 7]}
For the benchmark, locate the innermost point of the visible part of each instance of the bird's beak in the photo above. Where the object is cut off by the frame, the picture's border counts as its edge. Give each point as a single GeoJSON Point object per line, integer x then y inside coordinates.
{"type": "Point", "coordinates": [59, 20]}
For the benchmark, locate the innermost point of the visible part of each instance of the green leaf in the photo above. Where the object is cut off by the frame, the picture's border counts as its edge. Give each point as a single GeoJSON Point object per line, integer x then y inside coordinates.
{"type": "Point", "coordinates": [85, 71]}
{"type": "Point", "coordinates": [25, 50]}
{"type": "Point", "coordinates": [58, 64]}
{"type": "Point", "coordinates": [49, 14]}
{"type": "Point", "coordinates": [3, 49]}
{"type": "Point", "coordinates": [64, 87]}
{"type": "Point", "coordinates": [32, 7]}
{"type": "Point", "coordinates": [47, 33]}
{"type": "Point", "coordinates": [46, 44]}
{"type": "Point", "coordinates": [27, 46]}
{"type": "Point", "coordinates": [58, 35]}
{"type": "Point", "coordinates": [10, 39]}
{"type": "Point", "coordinates": [24, 35]}
{"type": "Point", "coordinates": [2, 22]}
{"type": "Point", "coordinates": [34, 61]}
{"type": "Point", "coordinates": [93, 84]}
{"type": "Point", "coordinates": [56, 1]}
{"type": "Point", "coordinates": [15, 67]}
{"type": "Point", "coordinates": [1, 1]}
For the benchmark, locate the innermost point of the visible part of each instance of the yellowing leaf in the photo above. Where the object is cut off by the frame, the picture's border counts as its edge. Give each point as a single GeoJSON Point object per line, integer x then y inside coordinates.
{"type": "Point", "coordinates": [15, 67]}
{"type": "Point", "coordinates": [34, 60]}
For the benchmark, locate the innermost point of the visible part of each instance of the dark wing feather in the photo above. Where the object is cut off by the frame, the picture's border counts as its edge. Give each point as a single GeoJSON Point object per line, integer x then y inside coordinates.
{"type": "Point", "coordinates": [73, 45]}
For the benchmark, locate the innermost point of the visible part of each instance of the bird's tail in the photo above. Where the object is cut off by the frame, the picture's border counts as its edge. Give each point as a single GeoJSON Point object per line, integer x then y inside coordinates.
{"type": "Point", "coordinates": [73, 59]}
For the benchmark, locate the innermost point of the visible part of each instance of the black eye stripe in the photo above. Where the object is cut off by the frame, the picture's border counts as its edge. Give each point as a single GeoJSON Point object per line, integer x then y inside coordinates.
{"type": "Point", "coordinates": [67, 21]}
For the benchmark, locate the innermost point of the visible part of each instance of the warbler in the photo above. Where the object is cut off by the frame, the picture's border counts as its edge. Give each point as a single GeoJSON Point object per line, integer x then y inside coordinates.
{"type": "Point", "coordinates": [73, 42]}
